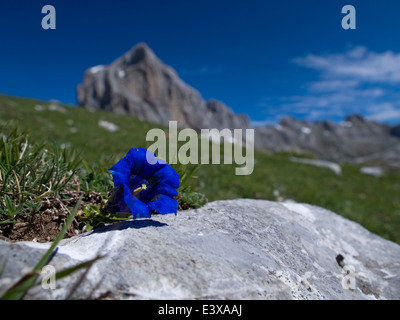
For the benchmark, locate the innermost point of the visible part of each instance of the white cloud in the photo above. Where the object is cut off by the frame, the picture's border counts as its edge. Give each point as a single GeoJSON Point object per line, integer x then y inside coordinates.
{"type": "Point", "coordinates": [356, 64]}
{"type": "Point", "coordinates": [332, 85]}
{"type": "Point", "coordinates": [356, 81]}
{"type": "Point", "coordinates": [384, 112]}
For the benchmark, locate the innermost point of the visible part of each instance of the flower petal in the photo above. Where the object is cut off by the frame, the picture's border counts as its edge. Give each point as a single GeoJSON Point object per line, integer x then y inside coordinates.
{"type": "Point", "coordinates": [120, 172]}
{"type": "Point", "coordinates": [121, 200]}
{"type": "Point", "coordinates": [160, 188]}
{"type": "Point", "coordinates": [116, 202]}
{"type": "Point", "coordinates": [166, 175]}
{"type": "Point", "coordinates": [163, 204]}
{"type": "Point", "coordinates": [166, 190]}
{"type": "Point", "coordinates": [137, 160]}
{"type": "Point", "coordinates": [137, 207]}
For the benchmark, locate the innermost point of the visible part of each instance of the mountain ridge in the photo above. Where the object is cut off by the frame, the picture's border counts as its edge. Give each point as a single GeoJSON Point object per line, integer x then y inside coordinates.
{"type": "Point", "coordinates": [138, 83]}
{"type": "Point", "coordinates": [355, 140]}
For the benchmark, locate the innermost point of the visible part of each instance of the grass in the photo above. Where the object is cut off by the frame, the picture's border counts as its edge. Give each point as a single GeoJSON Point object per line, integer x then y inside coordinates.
{"type": "Point", "coordinates": [29, 173]}
{"type": "Point", "coordinates": [372, 202]}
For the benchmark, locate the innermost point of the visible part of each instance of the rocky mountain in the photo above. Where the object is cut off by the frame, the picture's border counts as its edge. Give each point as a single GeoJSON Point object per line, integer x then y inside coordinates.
{"type": "Point", "coordinates": [141, 85]}
{"type": "Point", "coordinates": [355, 140]}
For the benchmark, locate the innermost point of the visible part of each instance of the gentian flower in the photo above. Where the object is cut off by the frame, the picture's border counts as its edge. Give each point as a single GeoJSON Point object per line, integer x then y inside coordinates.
{"type": "Point", "coordinates": [143, 185]}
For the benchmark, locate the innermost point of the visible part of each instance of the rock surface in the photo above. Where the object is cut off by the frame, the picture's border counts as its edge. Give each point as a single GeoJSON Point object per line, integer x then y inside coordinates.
{"type": "Point", "coordinates": [355, 140]}
{"type": "Point", "coordinates": [336, 168]}
{"type": "Point", "coordinates": [235, 249]}
{"type": "Point", "coordinates": [141, 85]}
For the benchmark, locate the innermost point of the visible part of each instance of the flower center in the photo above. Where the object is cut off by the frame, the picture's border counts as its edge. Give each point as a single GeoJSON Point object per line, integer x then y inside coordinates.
{"type": "Point", "coordinates": [137, 190]}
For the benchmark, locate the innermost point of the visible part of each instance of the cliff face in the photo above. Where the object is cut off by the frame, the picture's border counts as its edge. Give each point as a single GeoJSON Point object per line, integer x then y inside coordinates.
{"type": "Point", "coordinates": [141, 85]}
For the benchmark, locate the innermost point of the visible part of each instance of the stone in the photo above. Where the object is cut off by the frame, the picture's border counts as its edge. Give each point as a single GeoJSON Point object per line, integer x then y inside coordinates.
{"type": "Point", "coordinates": [336, 168]}
{"type": "Point", "coordinates": [372, 171]}
{"type": "Point", "coordinates": [232, 249]}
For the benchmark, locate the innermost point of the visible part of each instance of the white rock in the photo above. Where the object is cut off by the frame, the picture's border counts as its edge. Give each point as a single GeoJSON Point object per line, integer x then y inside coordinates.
{"type": "Point", "coordinates": [96, 69]}
{"type": "Point", "coordinates": [109, 126]}
{"type": "Point", "coordinates": [56, 107]}
{"type": "Point", "coordinates": [306, 130]}
{"type": "Point", "coordinates": [372, 171]}
{"type": "Point", "coordinates": [234, 249]}
{"type": "Point", "coordinates": [346, 124]}
{"type": "Point", "coordinates": [121, 73]}
{"type": "Point", "coordinates": [336, 168]}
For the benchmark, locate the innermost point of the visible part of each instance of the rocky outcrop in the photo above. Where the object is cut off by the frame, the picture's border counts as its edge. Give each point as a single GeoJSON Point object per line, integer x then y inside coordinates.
{"type": "Point", "coordinates": [354, 140]}
{"type": "Point", "coordinates": [236, 249]}
{"type": "Point", "coordinates": [141, 85]}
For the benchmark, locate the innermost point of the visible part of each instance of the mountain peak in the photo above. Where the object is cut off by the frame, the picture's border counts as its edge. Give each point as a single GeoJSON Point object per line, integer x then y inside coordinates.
{"type": "Point", "coordinates": [354, 118]}
{"type": "Point", "coordinates": [138, 53]}
{"type": "Point", "coordinates": [141, 85]}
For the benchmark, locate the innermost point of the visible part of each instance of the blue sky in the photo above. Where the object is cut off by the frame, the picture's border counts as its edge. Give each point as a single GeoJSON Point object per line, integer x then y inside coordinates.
{"type": "Point", "coordinates": [264, 58]}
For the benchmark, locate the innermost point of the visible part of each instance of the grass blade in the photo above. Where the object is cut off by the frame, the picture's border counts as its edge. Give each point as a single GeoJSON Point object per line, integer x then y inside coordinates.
{"type": "Point", "coordinates": [18, 291]}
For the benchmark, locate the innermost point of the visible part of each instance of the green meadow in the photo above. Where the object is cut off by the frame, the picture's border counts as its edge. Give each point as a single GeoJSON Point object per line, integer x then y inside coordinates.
{"type": "Point", "coordinates": [373, 202]}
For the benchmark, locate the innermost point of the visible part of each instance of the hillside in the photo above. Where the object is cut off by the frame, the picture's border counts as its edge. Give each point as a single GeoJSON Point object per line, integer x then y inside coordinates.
{"type": "Point", "coordinates": [139, 84]}
{"type": "Point", "coordinates": [103, 137]}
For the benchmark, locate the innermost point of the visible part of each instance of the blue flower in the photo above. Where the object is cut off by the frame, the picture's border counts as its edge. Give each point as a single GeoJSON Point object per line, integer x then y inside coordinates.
{"type": "Point", "coordinates": [143, 185]}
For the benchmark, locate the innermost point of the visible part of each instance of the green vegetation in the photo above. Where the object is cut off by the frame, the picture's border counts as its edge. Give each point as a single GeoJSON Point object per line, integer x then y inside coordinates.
{"type": "Point", "coordinates": [372, 202]}
{"type": "Point", "coordinates": [29, 173]}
